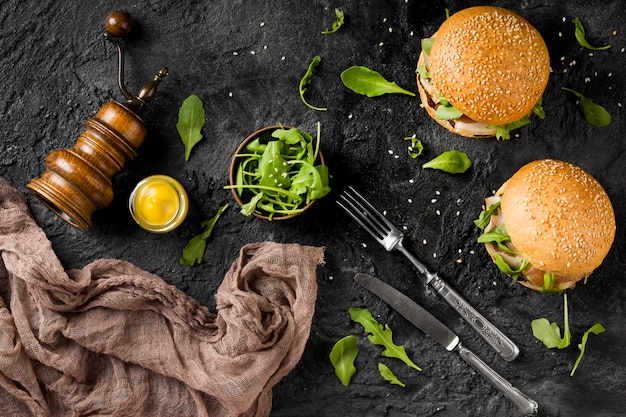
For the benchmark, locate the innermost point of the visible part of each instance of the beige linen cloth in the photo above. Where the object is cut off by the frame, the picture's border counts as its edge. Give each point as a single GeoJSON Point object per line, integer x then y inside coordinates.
{"type": "Point", "coordinates": [114, 340]}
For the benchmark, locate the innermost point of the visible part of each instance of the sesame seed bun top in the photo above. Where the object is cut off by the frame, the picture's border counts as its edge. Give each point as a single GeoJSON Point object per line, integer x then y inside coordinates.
{"type": "Point", "coordinates": [559, 217]}
{"type": "Point", "coordinates": [490, 63]}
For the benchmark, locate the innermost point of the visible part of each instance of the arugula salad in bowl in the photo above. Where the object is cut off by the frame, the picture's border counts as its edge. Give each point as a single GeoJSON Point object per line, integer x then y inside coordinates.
{"type": "Point", "coordinates": [278, 172]}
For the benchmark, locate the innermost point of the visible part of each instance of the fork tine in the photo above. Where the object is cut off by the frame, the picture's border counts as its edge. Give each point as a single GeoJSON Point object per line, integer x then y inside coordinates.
{"type": "Point", "coordinates": [364, 213]}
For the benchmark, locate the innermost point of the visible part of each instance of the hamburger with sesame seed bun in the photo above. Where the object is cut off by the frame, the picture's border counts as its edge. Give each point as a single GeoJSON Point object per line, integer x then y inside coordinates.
{"type": "Point", "coordinates": [483, 73]}
{"type": "Point", "coordinates": [549, 226]}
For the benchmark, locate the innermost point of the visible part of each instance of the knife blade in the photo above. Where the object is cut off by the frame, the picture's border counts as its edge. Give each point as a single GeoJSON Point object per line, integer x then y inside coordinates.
{"type": "Point", "coordinates": [430, 325]}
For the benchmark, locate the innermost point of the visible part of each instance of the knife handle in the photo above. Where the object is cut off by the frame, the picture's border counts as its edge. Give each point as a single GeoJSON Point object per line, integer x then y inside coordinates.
{"type": "Point", "coordinates": [498, 340]}
{"type": "Point", "coordinates": [525, 404]}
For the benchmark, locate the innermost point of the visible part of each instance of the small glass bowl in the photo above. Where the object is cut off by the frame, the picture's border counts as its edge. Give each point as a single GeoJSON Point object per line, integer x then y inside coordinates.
{"type": "Point", "coordinates": [175, 191]}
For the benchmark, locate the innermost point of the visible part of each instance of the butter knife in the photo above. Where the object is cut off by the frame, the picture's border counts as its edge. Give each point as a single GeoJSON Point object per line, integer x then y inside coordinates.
{"type": "Point", "coordinates": [430, 325]}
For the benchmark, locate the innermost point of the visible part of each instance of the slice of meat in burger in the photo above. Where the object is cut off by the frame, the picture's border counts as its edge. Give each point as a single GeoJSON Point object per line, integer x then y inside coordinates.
{"type": "Point", "coordinates": [483, 73]}
{"type": "Point", "coordinates": [549, 226]}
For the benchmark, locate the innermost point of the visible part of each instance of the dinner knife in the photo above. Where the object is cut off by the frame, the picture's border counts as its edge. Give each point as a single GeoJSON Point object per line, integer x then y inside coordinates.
{"type": "Point", "coordinates": [430, 325]}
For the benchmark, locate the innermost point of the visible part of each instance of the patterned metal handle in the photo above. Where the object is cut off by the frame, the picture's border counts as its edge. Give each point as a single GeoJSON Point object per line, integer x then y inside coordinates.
{"type": "Point", "coordinates": [525, 404]}
{"type": "Point", "coordinates": [496, 339]}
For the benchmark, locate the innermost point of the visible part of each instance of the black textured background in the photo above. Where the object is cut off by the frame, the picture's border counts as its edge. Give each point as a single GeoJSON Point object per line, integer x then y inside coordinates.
{"type": "Point", "coordinates": [244, 59]}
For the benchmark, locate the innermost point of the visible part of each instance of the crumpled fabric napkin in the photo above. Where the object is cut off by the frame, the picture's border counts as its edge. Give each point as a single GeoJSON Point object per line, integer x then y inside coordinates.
{"type": "Point", "coordinates": [111, 339]}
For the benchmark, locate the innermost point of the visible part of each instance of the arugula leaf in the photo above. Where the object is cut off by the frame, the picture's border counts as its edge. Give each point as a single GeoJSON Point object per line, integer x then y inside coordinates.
{"type": "Point", "coordinates": [194, 251]}
{"type": "Point", "coordinates": [380, 335]}
{"type": "Point", "coordinates": [423, 71]}
{"type": "Point", "coordinates": [453, 162]}
{"type": "Point", "coordinates": [485, 216]}
{"type": "Point", "coordinates": [579, 33]}
{"type": "Point", "coordinates": [190, 122]}
{"type": "Point", "coordinates": [386, 373]}
{"type": "Point", "coordinates": [339, 19]}
{"type": "Point", "coordinates": [550, 333]}
{"type": "Point", "coordinates": [342, 357]}
{"type": "Point", "coordinates": [499, 236]}
{"type": "Point", "coordinates": [365, 81]}
{"type": "Point", "coordinates": [447, 112]}
{"type": "Point", "coordinates": [306, 80]}
{"type": "Point", "coordinates": [427, 44]}
{"type": "Point", "coordinates": [415, 148]}
{"type": "Point", "coordinates": [549, 284]}
{"type": "Point", "coordinates": [507, 269]}
{"type": "Point", "coordinates": [503, 132]}
{"type": "Point", "coordinates": [595, 114]}
{"type": "Point", "coordinates": [595, 329]}
{"type": "Point", "coordinates": [538, 109]}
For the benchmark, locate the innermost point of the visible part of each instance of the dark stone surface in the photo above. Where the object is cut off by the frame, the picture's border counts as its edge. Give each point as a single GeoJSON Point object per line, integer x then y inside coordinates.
{"type": "Point", "coordinates": [245, 59]}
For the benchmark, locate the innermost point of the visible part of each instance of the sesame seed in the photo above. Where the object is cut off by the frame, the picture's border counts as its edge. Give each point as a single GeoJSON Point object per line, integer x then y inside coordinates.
{"type": "Point", "coordinates": [410, 200]}
{"type": "Point", "coordinates": [424, 241]}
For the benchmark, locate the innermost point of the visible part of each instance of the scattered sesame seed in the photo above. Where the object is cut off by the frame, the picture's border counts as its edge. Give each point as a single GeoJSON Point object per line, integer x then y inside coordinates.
{"type": "Point", "coordinates": [434, 255]}
{"type": "Point", "coordinates": [434, 200]}
{"type": "Point", "coordinates": [458, 213]}
{"type": "Point", "coordinates": [252, 52]}
{"type": "Point", "coordinates": [424, 241]}
{"type": "Point", "coordinates": [587, 79]}
{"type": "Point", "coordinates": [622, 50]}
{"type": "Point", "coordinates": [411, 181]}
{"type": "Point", "coordinates": [235, 53]}
{"type": "Point", "coordinates": [282, 58]}
{"type": "Point", "coordinates": [562, 58]}
{"type": "Point", "coordinates": [230, 94]}
{"type": "Point", "coordinates": [564, 19]}
{"type": "Point", "coordinates": [560, 34]}
{"type": "Point", "coordinates": [381, 44]}
{"type": "Point", "coordinates": [471, 252]}
{"type": "Point", "coordinates": [350, 116]}
{"type": "Point", "coordinates": [405, 228]}
{"type": "Point", "coordinates": [437, 192]}
{"type": "Point", "coordinates": [396, 156]}
{"type": "Point", "coordinates": [262, 24]}
{"type": "Point", "coordinates": [459, 261]}
{"type": "Point", "coordinates": [619, 104]}
{"type": "Point", "coordinates": [390, 30]}
{"type": "Point", "coordinates": [590, 53]}
{"type": "Point", "coordinates": [438, 213]}
{"type": "Point", "coordinates": [614, 33]}
{"type": "Point", "coordinates": [264, 46]}
{"type": "Point", "coordinates": [364, 245]}
{"type": "Point", "coordinates": [410, 200]}
{"type": "Point", "coordinates": [330, 278]}
{"type": "Point", "coordinates": [384, 19]}
{"type": "Point", "coordinates": [610, 74]}
{"type": "Point", "coordinates": [390, 151]}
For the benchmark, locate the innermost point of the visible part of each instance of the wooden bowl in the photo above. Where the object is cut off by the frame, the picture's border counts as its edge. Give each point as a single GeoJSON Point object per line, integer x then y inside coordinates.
{"type": "Point", "coordinates": [233, 172]}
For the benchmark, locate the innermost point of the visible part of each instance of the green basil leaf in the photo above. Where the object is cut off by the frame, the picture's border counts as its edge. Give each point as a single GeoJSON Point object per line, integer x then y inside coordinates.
{"type": "Point", "coordinates": [339, 19]}
{"type": "Point", "coordinates": [380, 335]}
{"type": "Point", "coordinates": [190, 122]}
{"type": "Point", "coordinates": [386, 373]}
{"type": "Point", "coordinates": [579, 33]}
{"type": "Point", "coordinates": [365, 81]}
{"type": "Point", "coordinates": [342, 357]}
{"type": "Point", "coordinates": [306, 80]}
{"type": "Point", "coordinates": [195, 248]}
{"type": "Point", "coordinates": [595, 329]}
{"type": "Point", "coordinates": [453, 162]}
{"type": "Point", "coordinates": [595, 114]}
{"type": "Point", "coordinates": [485, 216]}
{"type": "Point", "coordinates": [416, 148]}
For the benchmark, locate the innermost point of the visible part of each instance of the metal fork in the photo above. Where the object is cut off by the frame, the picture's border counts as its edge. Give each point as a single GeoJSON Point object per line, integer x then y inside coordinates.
{"type": "Point", "coordinates": [391, 238]}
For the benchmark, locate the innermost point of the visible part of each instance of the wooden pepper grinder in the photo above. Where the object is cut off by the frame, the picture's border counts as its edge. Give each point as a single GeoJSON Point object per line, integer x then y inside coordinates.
{"type": "Point", "coordinates": [77, 181]}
